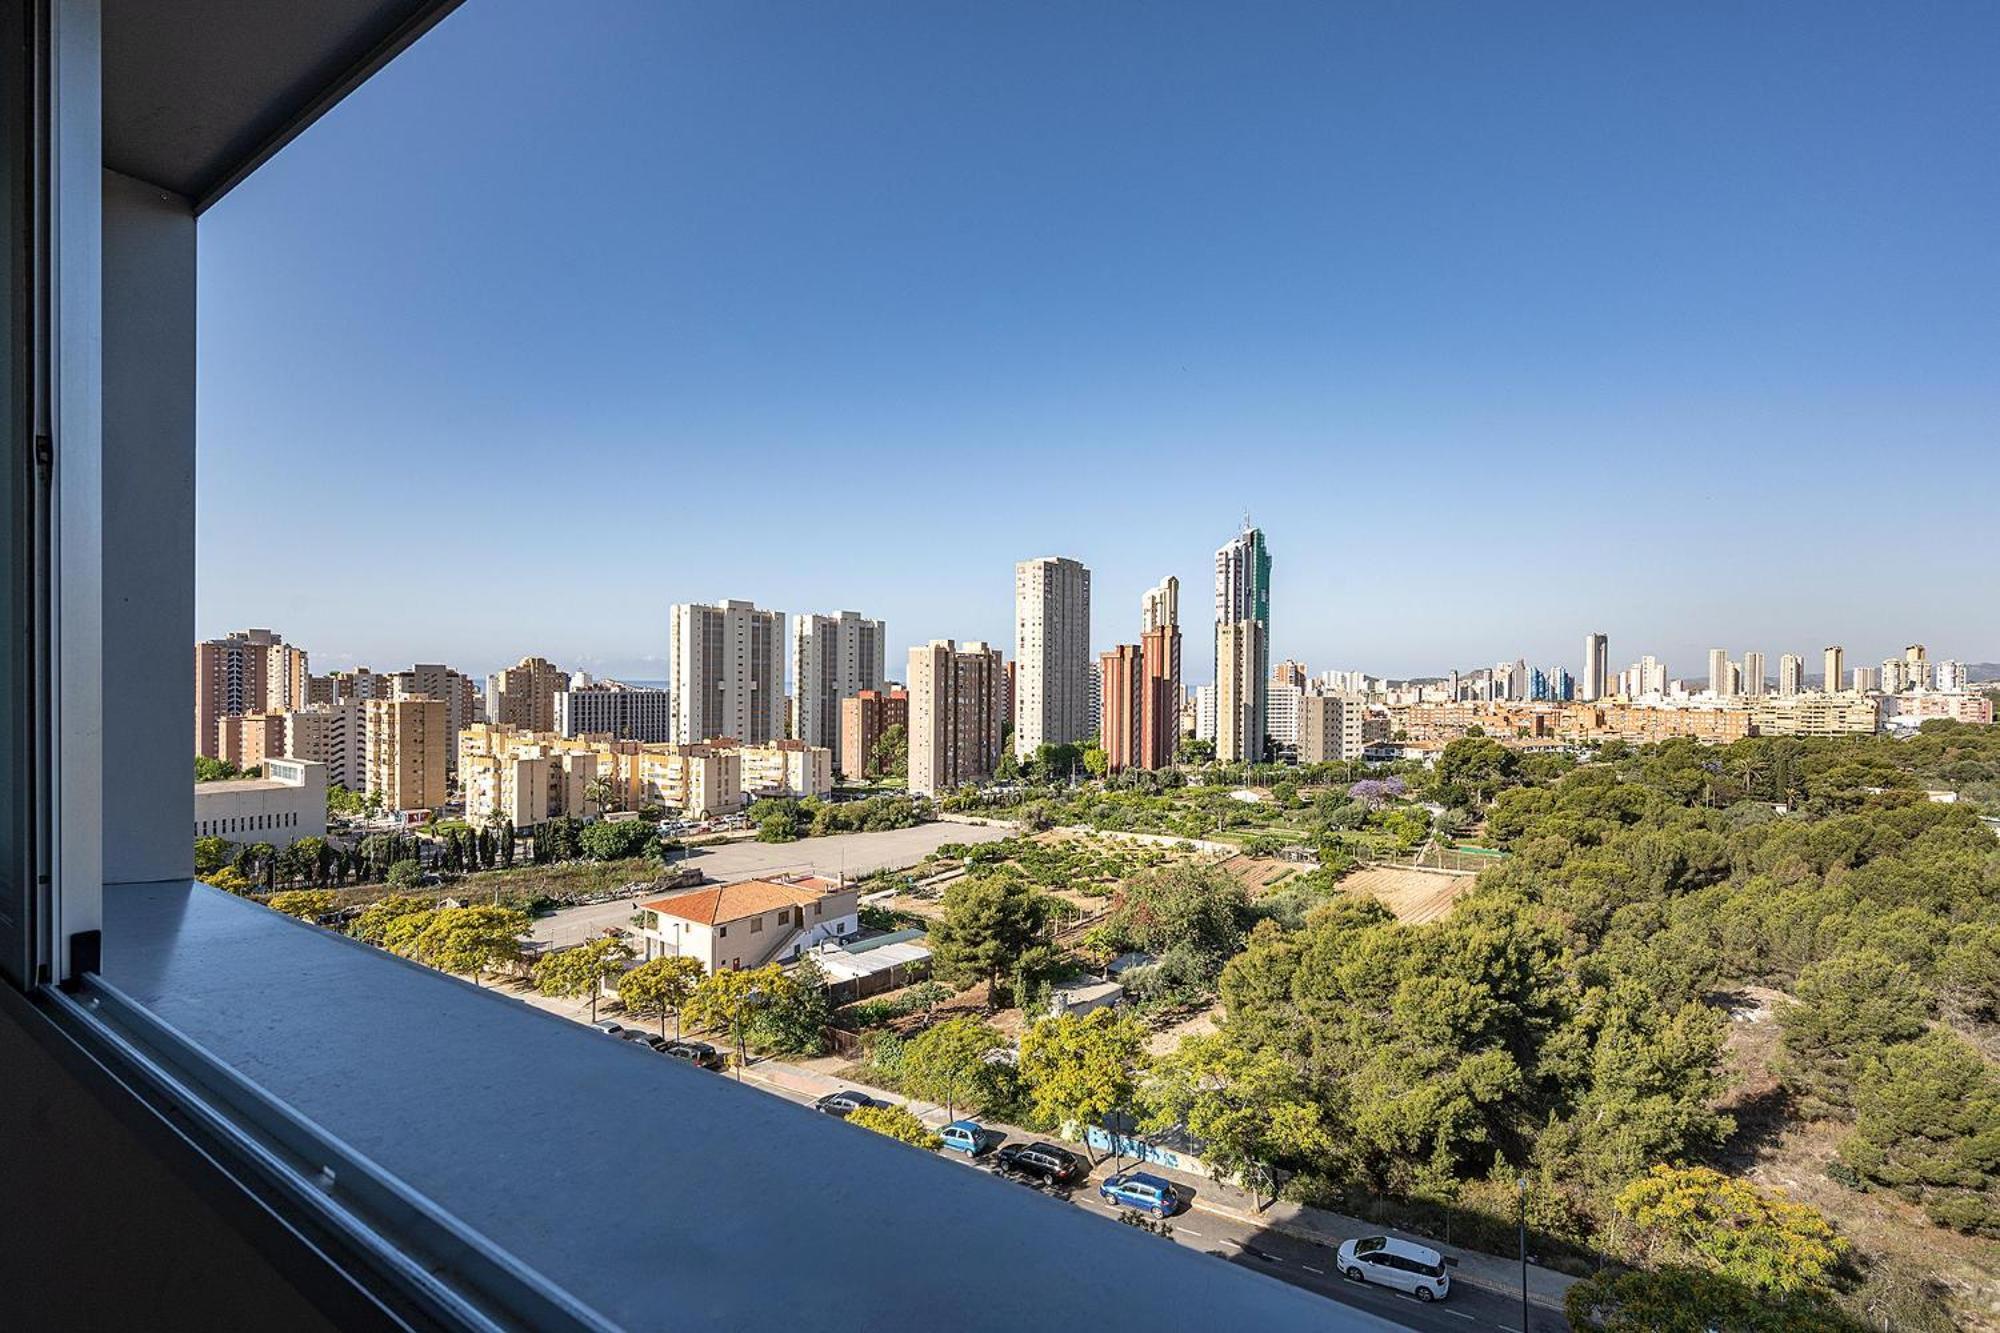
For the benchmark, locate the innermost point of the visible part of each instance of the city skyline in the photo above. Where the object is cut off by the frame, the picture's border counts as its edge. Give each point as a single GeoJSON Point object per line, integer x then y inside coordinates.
{"type": "Point", "coordinates": [1324, 265]}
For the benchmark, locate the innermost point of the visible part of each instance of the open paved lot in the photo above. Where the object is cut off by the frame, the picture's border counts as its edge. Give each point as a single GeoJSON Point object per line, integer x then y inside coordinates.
{"type": "Point", "coordinates": [851, 854]}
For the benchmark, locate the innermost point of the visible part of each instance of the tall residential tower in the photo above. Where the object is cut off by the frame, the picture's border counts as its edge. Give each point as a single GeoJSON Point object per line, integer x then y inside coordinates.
{"type": "Point", "coordinates": [1052, 657]}
{"type": "Point", "coordinates": [728, 673]}
{"type": "Point", "coordinates": [1242, 643]}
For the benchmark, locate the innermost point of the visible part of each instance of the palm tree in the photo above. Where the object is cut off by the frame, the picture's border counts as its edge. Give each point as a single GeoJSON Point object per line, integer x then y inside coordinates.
{"type": "Point", "coordinates": [600, 794]}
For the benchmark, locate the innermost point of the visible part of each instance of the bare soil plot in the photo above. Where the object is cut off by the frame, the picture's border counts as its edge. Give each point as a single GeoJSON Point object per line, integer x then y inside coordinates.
{"type": "Point", "coordinates": [1414, 896]}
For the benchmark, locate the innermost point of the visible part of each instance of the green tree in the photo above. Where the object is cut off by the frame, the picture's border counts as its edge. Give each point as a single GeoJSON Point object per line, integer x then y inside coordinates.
{"type": "Point", "coordinates": [214, 770]}
{"type": "Point", "coordinates": [792, 1019]}
{"type": "Point", "coordinates": [1247, 1108]}
{"type": "Point", "coordinates": [1848, 1009]}
{"type": "Point", "coordinates": [211, 854]}
{"type": "Point", "coordinates": [659, 987]}
{"type": "Point", "coordinates": [890, 757]}
{"type": "Point", "coordinates": [1080, 1071]}
{"type": "Point", "coordinates": [305, 904]}
{"type": "Point", "coordinates": [406, 874]}
{"type": "Point", "coordinates": [601, 796]}
{"type": "Point", "coordinates": [1739, 1231]}
{"type": "Point", "coordinates": [569, 974]}
{"type": "Point", "coordinates": [372, 925]}
{"type": "Point", "coordinates": [988, 923]}
{"type": "Point", "coordinates": [1096, 762]}
{"type": "Point", "coordinates": [898, 1123]}
{"type": "Point", "coordinates": [947, 1063]}
{"type": "Point", "coordinates": [1190, 906]}
{"type": "Point", "coordinates": [607, 840]}
{"type": "Point", "coordinates": [729, 1000]}
{"type": "Point", "coordinates": [230, 880]}
{"type": "Point", "coordinates": [1479, 764]}
{"type": "Point", "coordinates": [471, 940]}
{"type": "Point", "coordinates": [1927, 1125]}
{"type": "Point", "coordinates": [1692, 1300]}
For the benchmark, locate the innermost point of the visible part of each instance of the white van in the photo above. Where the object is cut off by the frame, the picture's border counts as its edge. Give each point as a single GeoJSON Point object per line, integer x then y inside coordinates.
{"type": "Point", "coordinates": [1417, 1269]}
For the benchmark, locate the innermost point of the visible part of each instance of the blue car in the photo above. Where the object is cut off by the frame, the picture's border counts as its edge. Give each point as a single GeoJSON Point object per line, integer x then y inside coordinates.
{"type": "Point", "coordinates": [1136, 1189]}
{"type": "Point", "coordinates": [966, 1136]}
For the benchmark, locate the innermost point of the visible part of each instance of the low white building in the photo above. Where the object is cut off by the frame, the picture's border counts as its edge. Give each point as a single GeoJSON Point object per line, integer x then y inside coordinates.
{"type": "Point", "coordinates": [750, 923]}
{"type": "Point", "coordinates": [286, 804]}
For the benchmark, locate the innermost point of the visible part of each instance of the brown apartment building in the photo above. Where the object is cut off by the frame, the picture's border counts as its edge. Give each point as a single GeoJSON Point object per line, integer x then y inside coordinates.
{"type": "Point", "coordinates": [249, 671]}
{"type": "Point", "coordinates": [1122, 722]}
{"type": "Point", "coordinates": [955, 702]}
{"type": "Point", "coordinates": [407, 760]}
{"type": "Point", "coordinates": [864, 718]}
{"type": "Point", "coordinates": [248, 739]}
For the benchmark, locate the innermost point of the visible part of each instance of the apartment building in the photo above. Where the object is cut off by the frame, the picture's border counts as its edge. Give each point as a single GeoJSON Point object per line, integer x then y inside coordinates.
{"type": "Point", "coordinates": [750, 923]}
{"type": "Point", "coordinates": [864, 718]}
{"type": "Point", "coordinates": [287, 803]}
{"type": "Point", "coordinates": [613, 708]}
{"type": "Point", "coordinates": [524, 695]}
{"type": "Point", "coordinates": [783, 768]}
{"type": "Point", "coordinates": [1051, 654]}
{"type": "Point", "coordinates": [834, 657]}
{"type": "Point", "coordinates": [1281, 702]}
{"type": "Point", "coordinates": [728, 672]}
{"type": "Point", "coordinates": [1753, 679]}
{"type": "Point", "coordinates": [1833, 667]}
{"type": "Point", "coordinates": [954, 710]}
{"type": "Point", "coordinates": [1243, 593]}
{"type": "Point", "coordinates": [1240, 695]}
{"type": "Point", "coordinates": [699, 781]}
{"type": "Point", "coordinates": [333, 734]}
{"type": "Point", "coordinates": [464, 700]}
{"type": "Point", "coordinates": [1122, 717]}
{"type": "Point", "coordinates": [346, 686]}
{"type": "Point", "coordinates": [246, 739]}
{"type": "Point", "coordinates": [1791, 675]}
{"type": "Point", "coordinates": [1160, 653]}
{"type": "Point", "coordinates": [526, 777]}
{"type": "Point", "coordinates": [1331, 728]}
{"type": "Point", "coordinates": [1816, 714]}
{"type": "Point", "coordinates": [407, 753]}
{"type": "Point", "coordinates": [1596, 666]}
{"type": "Point", "coordinates": [1204, 709]}
{"type": "Point", "coordinates": [248, 671]}
{"type": "Point", "coordinates": [1917, 707]}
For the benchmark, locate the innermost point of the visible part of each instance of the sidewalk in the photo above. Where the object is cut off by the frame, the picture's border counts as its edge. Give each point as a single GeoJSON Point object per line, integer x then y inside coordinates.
{"type": "Point", "coordinates": [1299, 1221]}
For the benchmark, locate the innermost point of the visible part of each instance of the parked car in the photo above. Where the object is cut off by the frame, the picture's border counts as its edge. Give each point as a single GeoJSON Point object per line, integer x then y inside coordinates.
{"type": "Point", "coordinates": [1398, 1264]}
{"type": "Point", "coordinates": [652, 1041]}
{"type": "Point", "coordinates": [967, 1136]}
{"type": "Point", "coordinates": [843, 1103]}
{"type": "Point", "coordinates": [1042, 1161]}
{"type": "Point", "coordinates": [1137, 1189]}
{"type": "Point", "coordinates": [698, 1053]}
{"type": "Point", "coordinates": [610, 1027]}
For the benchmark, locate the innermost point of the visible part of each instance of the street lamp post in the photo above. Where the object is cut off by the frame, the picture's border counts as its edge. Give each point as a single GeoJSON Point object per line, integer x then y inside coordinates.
{"type": "Point", "coordinates": [1522, 1181]}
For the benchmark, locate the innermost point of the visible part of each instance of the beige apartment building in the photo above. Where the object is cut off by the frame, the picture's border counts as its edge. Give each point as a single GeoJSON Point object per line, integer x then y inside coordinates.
{"type": "Point", "coordinates": [833, 658]}
{"type": "Point", "coordinates": [1239, 648]}
{"type": "Point", "coordinates": [728, 672]}
{"type": "Point", "coordinates": [248, 671]}
{"type": "Point", "coordinates": [341, 687]}
{"type": "Point", "coordinates": [782, 769]}
{"type": "Point", "coordinates": [525, 777]}
{"type": "Point", "coordinates": [333, 734]}
{"type": "Point", "coordinates": [407, 753]}
{"type": "Point", "coordinates": [524, 695]}
{"type": "Point", "coordinates": [1818, 714]}
{"type": "Point", "coordinates": [464, 701]}
{"type": "Point", "coordinates": [955, 711]}
{"type": "Point", "coordinates": [1053, 665]}
{"type": "Point", "coordinates": [1331, 728]}
{"type": "Point", "coordinates": [246, 739]}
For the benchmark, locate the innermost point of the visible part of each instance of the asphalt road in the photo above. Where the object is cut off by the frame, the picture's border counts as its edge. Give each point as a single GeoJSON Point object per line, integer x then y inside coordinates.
{"type": "Point", "coordinates": [1467, 1309]}
{"type": "Point", "coordinates": [851, 854]}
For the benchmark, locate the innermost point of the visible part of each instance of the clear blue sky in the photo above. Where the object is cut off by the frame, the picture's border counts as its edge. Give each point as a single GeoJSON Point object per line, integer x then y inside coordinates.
{"type": "Point", "coordinates": [1505, 322]}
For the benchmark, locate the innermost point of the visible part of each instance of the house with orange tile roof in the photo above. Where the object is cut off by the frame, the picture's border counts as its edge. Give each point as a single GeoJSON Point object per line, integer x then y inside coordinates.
{"type": "Point", "coordinates": [749, 923]}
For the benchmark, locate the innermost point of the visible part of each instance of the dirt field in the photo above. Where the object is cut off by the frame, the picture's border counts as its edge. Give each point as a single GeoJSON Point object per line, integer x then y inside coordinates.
{"type": "Point", "coordinates": [1415, 896]}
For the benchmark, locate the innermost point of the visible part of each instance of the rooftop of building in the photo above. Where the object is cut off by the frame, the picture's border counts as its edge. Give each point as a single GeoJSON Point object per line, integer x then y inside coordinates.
{"type": "Point", "coordinates": [721, 903]}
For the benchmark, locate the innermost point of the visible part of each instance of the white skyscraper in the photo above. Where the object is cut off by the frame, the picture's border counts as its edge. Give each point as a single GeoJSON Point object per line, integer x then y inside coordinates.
{"type": "Point", "coordinates": [1596, 662]}
{"type": "Point", "coordinates": [728, 673]}
{"type": "Point", "coordinates": [1052, 661]}
{"type": "Point", "coordinates": [1791, 674]}
{"type": "Point", "coordinates": [1951, 676]}
{"type": "Point", "coordinates": [1721, 679]}
{"type": "Point", "coordinates": [1753, 673]}
{"type": "Point", "coordinates": [833, 658]}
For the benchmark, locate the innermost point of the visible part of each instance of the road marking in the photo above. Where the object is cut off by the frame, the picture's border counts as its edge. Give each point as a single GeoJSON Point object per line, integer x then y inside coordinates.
{"type": "Point", "coordinates": [1187, 1231]}
{"type": "Point", "coordinates": [1310, 1269]}
{"type": "Point", "coordinates": [1460, 1313]}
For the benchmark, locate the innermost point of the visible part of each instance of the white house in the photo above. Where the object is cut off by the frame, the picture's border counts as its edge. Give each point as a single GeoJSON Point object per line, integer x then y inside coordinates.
{"type": "Point", "coordinates": [751, 923]}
